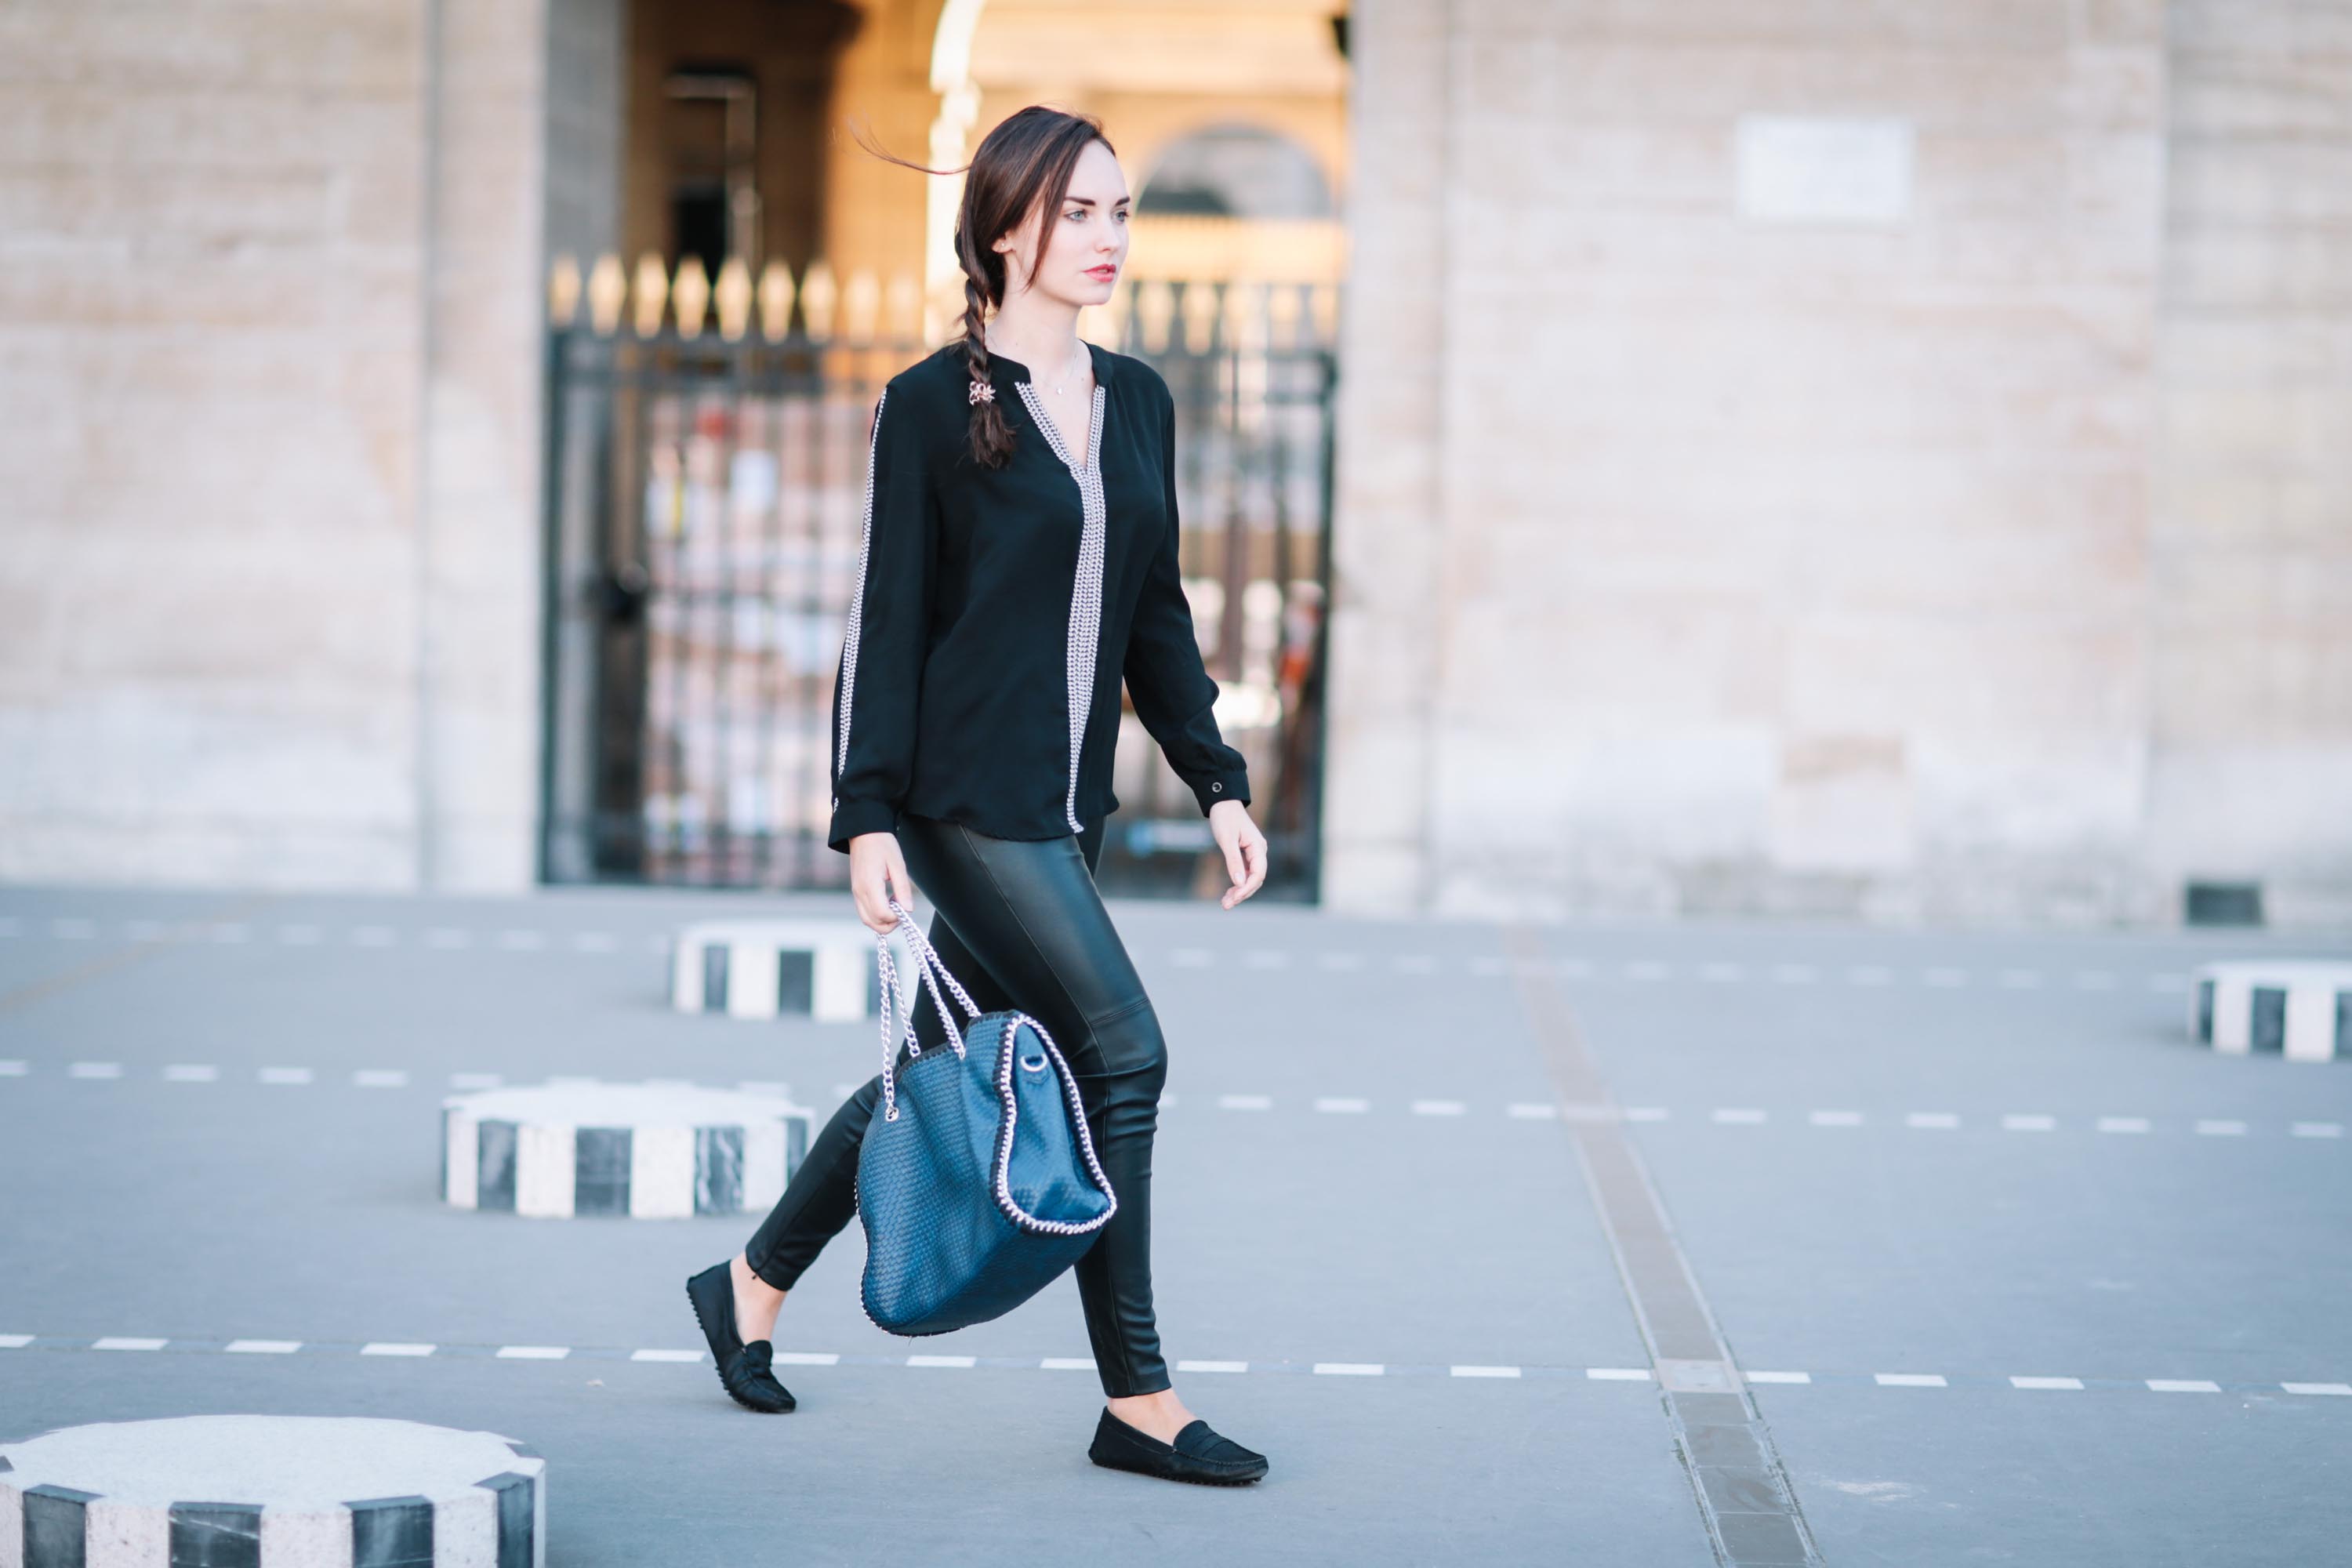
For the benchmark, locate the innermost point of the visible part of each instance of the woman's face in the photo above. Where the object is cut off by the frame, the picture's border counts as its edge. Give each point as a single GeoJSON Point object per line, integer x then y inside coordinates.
{"type": "Point", "coordinates": [1084, 239]}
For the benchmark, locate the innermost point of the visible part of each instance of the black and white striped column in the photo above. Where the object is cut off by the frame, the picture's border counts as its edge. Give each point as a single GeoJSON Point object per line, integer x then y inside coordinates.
{"type": "Point", "coordinates": [2299, 1008]}
{"type": "Point", "coordinates": [271, 1491]}
{"type": "Point", "coordinates": [768, 969]}
{"type": "Point", "coordinates": [648, 1150]}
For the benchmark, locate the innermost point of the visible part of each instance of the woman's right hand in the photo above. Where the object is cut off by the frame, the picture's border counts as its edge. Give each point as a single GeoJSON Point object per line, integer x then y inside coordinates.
{"type": "Point", "coordinates": [878, 873]}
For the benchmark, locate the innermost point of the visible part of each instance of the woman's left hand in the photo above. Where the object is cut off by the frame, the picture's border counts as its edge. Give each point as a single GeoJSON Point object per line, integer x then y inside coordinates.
{"type": "Point", "coordinates": [1245, 847]}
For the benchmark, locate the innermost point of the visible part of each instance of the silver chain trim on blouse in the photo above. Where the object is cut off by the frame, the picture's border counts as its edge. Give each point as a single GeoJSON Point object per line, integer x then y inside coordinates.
{"type": "Point", "coordinates": [1085, 599]}
{"type": "Point", "coordinates": [857, 594]}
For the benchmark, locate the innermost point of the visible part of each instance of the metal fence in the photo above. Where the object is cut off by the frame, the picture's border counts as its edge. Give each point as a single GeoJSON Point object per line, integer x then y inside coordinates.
{"type": "Point", "coordinates": [705, 493]}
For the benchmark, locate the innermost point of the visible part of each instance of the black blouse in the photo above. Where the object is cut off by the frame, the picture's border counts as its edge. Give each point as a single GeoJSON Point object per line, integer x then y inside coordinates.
{"type": "Point", "coordinates": [996, 611]}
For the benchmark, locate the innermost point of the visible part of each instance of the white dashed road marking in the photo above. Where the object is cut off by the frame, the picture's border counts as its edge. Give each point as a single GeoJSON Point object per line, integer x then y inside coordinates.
{"type": "Point", "coordinates": [1328, 1105]}
{"type": "Point", "coordinates": [1467, 1370]}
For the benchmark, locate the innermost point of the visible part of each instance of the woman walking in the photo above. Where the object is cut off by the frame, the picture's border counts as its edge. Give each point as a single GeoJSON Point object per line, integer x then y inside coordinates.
{"type": "Point", "coordinates": [1019, 560]}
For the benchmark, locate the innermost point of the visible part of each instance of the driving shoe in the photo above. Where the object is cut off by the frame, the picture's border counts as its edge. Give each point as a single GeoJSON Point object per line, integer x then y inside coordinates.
{"type": "Point", "coordinates": [743, 1370]}
{"type": "Point", "coordinates": [1198, 1454]}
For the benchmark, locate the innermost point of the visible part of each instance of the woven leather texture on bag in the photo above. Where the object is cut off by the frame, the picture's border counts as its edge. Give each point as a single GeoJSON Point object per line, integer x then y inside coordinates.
{"type": "Point", "coordinates": [940, 1252]}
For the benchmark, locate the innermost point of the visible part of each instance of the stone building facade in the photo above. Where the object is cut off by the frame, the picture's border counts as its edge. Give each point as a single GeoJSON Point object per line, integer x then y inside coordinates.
{"type": "Point", "coordinates": [1889, 460]}
{"type": "Point", "coordinates": [1892, 461]}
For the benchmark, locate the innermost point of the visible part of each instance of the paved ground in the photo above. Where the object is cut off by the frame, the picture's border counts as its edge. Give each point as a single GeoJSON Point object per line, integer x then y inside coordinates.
{"type": "Point", "coordinates": [2011, 1271]}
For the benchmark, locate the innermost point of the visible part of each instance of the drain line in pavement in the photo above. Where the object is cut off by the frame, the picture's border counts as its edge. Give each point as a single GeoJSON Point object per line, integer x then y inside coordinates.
{"type": "Point", "coordinates": [33, 991]}
{"type": "Point", "coordinates": [1742, 1489]}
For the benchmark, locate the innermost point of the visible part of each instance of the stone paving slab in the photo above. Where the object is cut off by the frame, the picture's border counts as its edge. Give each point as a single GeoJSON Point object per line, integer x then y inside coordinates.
{"type": "Point", "coordinates": [652, 1463]}
{"type": "Point", "coordinates": [1368, 1196]}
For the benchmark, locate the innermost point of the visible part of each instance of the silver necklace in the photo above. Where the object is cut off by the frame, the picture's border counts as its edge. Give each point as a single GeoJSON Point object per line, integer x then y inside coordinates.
{"type": "Point", "coordinates": [1062, 385]}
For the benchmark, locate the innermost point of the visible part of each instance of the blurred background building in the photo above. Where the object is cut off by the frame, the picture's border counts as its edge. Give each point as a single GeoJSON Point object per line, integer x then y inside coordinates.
{"type": "Point", "coordinates": [1890, 462]}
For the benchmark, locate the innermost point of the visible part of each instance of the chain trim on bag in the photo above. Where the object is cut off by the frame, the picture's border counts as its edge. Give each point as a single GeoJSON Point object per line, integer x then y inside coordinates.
{"type": "Point", "coordinates": [887, 970]}
{"type": "Point", "coordinates": [932, 964]}
{"type": "Point", "coordinates": [1005, 1199]}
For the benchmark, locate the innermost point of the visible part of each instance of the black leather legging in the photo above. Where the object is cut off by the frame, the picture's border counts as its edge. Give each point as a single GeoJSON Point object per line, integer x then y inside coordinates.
{"type": "Point", "coordinates": [1020, 923]}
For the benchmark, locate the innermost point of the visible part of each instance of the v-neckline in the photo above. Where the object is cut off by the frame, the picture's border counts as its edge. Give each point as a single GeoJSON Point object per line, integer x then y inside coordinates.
{"type": "Point", "coordinates": [1097, 407]}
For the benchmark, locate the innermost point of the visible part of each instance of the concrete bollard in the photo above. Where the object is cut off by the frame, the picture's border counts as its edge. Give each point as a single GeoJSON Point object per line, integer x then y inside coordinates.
{"type": "Point", "coordinates": [2301, 1008]}
{"type": "Point", "coordinates": [270, 1491]}
{"type": "Point", "coordinates": [649, 1150]}
{"type": "Point", "coordinates": [768, 969]}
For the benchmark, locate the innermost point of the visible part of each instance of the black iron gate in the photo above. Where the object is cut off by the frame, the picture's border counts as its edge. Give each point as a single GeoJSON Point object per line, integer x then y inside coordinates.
{"type": "Point", "coordinates": [704, 505]}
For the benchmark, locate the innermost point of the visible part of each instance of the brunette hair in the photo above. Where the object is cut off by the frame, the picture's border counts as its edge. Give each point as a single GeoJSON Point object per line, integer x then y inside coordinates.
{"type": "Point", "coordinates": [1023, 166]}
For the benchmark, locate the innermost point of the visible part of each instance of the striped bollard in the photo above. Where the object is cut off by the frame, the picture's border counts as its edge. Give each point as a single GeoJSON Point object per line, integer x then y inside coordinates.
{"type": "Point", "coordinates": [649, 1150]}
{"type": "Point", "coordinates": [270, 1491]}
{"type": "Point", "coordinates": [822, 969]}
{"type": "Point", "coordinates": [2300, 1009]}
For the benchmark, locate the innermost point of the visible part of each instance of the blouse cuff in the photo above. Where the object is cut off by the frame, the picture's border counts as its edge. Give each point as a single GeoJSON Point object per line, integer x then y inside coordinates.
{"type": "Point", "coordinates": [1210, 788]}
{"type": "Point", "coordinates": [852, 817]}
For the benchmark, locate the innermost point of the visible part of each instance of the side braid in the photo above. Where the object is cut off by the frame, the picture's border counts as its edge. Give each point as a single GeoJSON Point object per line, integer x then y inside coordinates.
{"type": "Point", "coordinates": [992, 439]}
{"type": "Point", "coordinates": [1022, 168]}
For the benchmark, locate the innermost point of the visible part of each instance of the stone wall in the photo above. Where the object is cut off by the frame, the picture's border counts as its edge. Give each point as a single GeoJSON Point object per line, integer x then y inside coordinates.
{"type": "Point", "coordinates": [269, 318]}
{"type": "Point", "coordinates": [2252, 755]}
{"type": "Point", "coordinates": [1755, 458]}
{"type": "Point", "coordinates": [1882, 460]}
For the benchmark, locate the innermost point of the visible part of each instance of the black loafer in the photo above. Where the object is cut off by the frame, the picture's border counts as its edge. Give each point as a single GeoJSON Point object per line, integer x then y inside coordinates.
{"type": "Point", "coordinates": [1197, 1455]}
{"type": "Point", "coordinates": [743, 1370]}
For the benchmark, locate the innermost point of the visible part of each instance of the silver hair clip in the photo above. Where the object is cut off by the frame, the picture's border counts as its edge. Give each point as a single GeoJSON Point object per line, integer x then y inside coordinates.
{"type": "Point", "coordinates": [981, 391]}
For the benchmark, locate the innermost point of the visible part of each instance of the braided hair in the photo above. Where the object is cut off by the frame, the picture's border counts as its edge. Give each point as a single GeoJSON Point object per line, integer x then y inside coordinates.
{"type": "Point", "coordinates": [1021, 169]}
